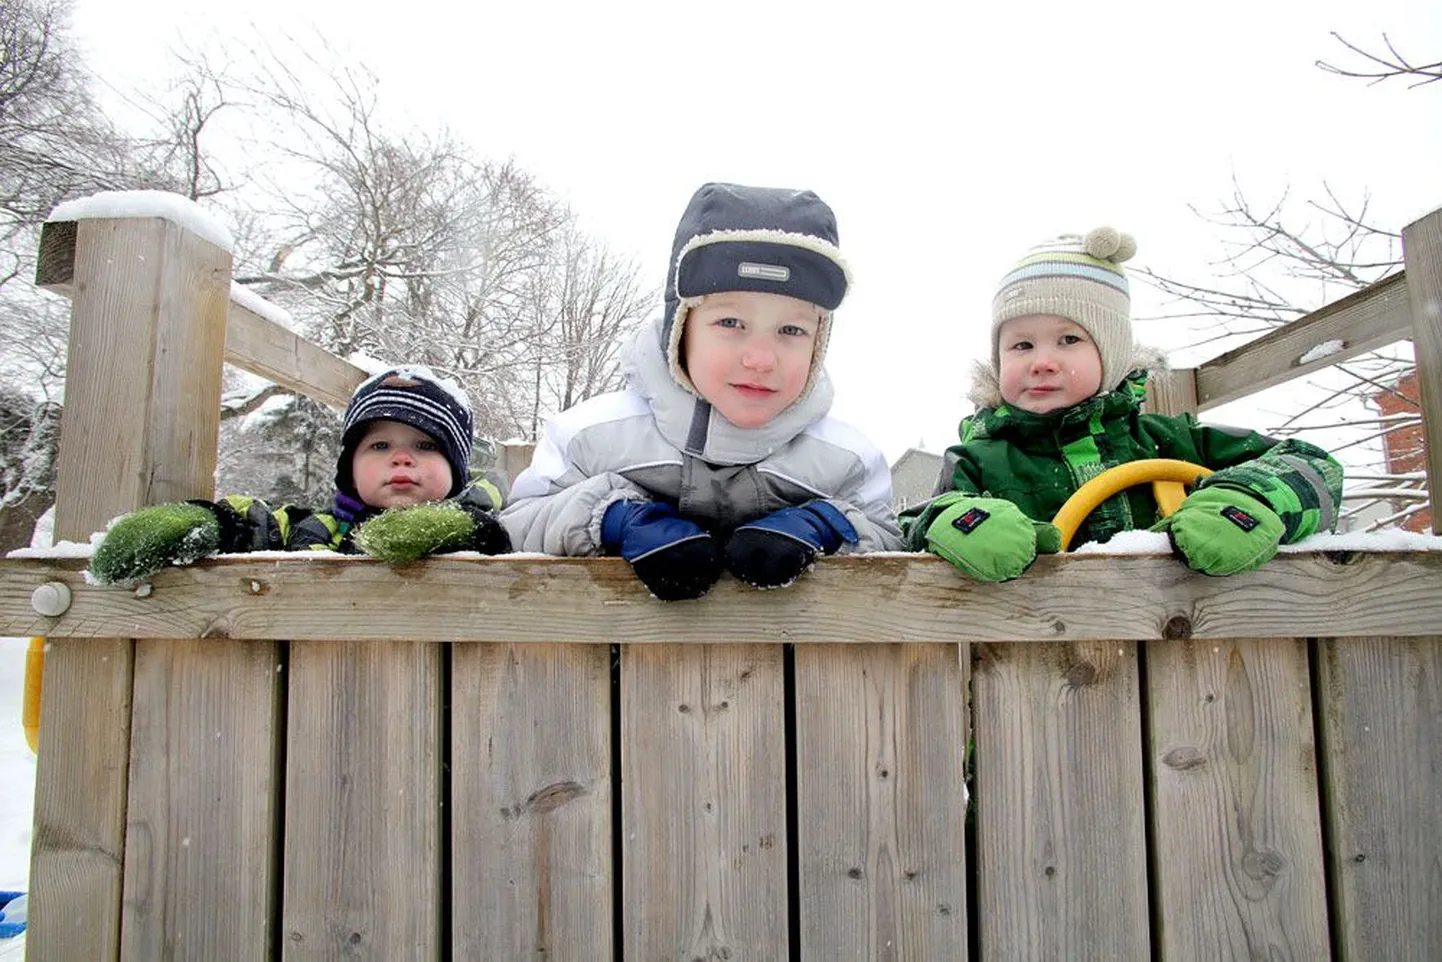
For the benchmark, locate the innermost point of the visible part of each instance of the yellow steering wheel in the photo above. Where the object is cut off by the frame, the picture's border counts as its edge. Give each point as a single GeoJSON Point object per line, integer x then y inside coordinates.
{"type": "Point", "coordinates": [1169, 480]}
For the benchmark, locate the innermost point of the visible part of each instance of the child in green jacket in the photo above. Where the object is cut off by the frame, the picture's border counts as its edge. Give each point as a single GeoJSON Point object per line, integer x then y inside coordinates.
{"type": "Point", "coordinates": [1060, 403]}
{"type": "Point", "coordinates": [403, 490]}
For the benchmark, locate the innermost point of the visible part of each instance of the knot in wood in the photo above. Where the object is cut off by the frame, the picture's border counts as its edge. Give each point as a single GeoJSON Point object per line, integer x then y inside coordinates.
{"type": "Point", "coordinates": [1177, 628]}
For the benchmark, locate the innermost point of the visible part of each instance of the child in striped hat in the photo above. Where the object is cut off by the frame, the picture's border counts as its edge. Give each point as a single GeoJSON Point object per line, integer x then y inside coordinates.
{"type": "Point", "coordinates": [403, 491]}
{"type": "Point", "coordinates": [1060, 402]}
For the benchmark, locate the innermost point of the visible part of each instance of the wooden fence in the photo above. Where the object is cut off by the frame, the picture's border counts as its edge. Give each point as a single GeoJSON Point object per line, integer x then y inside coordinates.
{"type": "Point", "coordinates": [525, 758]}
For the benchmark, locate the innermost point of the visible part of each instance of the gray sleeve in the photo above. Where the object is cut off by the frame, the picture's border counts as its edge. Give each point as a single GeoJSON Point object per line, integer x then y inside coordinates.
{"type": "Point", "coordinates": [866, 502]}
{"type": "Point", "coordinates": [557, 509]}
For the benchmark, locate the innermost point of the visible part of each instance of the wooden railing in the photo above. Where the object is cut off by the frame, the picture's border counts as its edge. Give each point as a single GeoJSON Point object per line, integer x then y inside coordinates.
{"type": "Point", "coordinates": [501, 758]}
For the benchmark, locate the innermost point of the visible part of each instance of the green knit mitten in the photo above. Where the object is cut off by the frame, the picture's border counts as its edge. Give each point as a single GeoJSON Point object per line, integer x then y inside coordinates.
{"type": "Point", "coordinates": [402, 535]}
{"type": "Point", "coordinates": [139, 544]}
{"type": "Point", "coordinates": [1222, 531]}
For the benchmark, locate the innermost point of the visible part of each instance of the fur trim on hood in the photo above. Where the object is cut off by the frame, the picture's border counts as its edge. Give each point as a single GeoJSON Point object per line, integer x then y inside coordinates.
{"type": "Point", "coordinates": [985, 391]}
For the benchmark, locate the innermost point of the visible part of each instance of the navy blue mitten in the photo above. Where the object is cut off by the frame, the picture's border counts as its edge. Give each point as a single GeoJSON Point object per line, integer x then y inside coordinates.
{"type": "Point", "coordinates": [675, 558]}
{"type": "Point", "coordinates": [773, 550]}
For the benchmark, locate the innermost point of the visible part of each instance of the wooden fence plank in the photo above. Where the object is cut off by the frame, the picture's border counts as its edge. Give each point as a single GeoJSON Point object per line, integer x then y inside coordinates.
{"type": "Point", "coordinates": [1380, 701]}
{"type": "Point", "coordinates": [881, 811]}
{"type": "Point", "coordinates": [1422, 247]}
{"type": "Point", "coordinates": [703, 761]}
{"type": "Point", "coordinates": [1362, 321]}
{"type": "Point", "coordinates": [1061, 849]}
{"type": "Point", "coordinates": [1236, 823]}
{"type": "Point", "coordinates": [856, 599]}
{"type": "Point", "coordinates": [257, 344]}
{"type": "Point", "coordinates": [202, 819]}
{"type": "Point", "coordinates": [141, 416]}
{"type": "Point", "coordinates": [362, 802]}
{"type": "Point", "coordinates": [531, 791]}
{"type": "Point", "coordinates": [80, 779]}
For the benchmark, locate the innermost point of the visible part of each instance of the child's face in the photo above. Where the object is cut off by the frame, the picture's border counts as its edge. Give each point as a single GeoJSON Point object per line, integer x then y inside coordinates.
{"type": "Point", "coordinates": [395, 464]}
{"type": "Point", "coordinates": [1047, 363]}
{"type": "Point", "coordinates": [749, 353]}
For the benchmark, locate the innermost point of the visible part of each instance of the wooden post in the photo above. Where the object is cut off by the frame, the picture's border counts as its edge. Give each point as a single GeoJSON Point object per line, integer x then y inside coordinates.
{"type": "Point", "coordinates": [147, 335]}
{"type": "Point", "coordinates": [1422, 248]}
{"type": "Point", "coordinates": [1172, 392]}
{"type": "Point", "coordinates": [513, 458]}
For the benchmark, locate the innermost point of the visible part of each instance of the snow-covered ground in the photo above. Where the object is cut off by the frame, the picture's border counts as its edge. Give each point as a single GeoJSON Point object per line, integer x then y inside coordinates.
{"type": "Point", "coordinates": [17, 784]}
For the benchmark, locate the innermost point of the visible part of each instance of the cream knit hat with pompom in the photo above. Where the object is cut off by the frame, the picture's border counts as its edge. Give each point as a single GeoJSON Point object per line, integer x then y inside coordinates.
{"type": "Point", "coordinates": [1079, 278]}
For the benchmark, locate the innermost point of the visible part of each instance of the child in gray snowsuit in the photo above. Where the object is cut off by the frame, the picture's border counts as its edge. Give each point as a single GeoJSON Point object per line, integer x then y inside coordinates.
{"type": "Point", "coordinates": [720, 452]}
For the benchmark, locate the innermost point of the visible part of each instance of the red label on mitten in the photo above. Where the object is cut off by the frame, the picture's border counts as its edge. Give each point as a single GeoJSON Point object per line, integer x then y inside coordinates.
{"type": "Point", "coordinates": [1239, 517]}
{"type": "Point", "coordinates": [970, 521]}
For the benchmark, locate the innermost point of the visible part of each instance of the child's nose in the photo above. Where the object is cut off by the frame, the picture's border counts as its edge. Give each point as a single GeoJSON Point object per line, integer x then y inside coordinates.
{"type": "Point", "coordinates": [402, 455]}
{"type": "Point", "coordinates": [758, 358]}
{"type": "Point", "coordinates": [1044, 362]}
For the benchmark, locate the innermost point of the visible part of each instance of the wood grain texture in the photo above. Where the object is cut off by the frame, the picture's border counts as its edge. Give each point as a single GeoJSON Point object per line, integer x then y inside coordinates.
{"type": "Point", "coordinates": [1061, 847]}
{"type": "Point", "coordinates": [141, 416]}
{"type": "Point", "coordinates": [362, 802]}
{"type": "Point", "coordinates": [703, 775]}
{"type": "Point", "coordinates": [80, 787]}
{"type": "Point", "coordinates": [881, 801]}
{"type": "Point", "coordinates": [888, 598]}
{"type": "Point", "coordinates": [1172, 392]}
{"type": "Point", "coordinates": [259, 345]}
{"type": "Point", "coordinates": [1371, 318]}
{"type": "Point", "coordinates": [1422, 247]}
{"type": "Point", "coordinates": [1380, 702]}
{"type": "Point", "coordinates": [202, 822]}
{"type": "Point", "coordinates": [531, 825]}
{"type": "Point", "coordinates": [1236, 820]}
{"type": "Point", "coordinates": [253, 342]}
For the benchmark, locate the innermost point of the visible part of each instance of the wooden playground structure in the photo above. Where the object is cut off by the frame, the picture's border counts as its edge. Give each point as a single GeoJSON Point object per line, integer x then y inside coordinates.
{"type": "Point", "coordinates": [256, 758]}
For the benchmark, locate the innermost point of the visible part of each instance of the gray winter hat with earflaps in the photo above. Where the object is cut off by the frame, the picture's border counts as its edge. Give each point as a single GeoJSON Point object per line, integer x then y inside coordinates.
{"type": "Point", "coordinates": [767, 239]}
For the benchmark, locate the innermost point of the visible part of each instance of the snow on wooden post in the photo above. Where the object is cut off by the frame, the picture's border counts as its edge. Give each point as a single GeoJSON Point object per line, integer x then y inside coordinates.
{"type": "Point", "coordinates": [1422, 247]}
{"type": "Point", "coordinates": [1172, 392]}
{"type": "Point", "coordinates": [147, 337]}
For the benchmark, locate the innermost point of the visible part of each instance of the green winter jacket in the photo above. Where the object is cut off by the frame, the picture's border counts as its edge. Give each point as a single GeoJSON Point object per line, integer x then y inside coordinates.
{"type": "Point", "coordinates": [1037, 461]}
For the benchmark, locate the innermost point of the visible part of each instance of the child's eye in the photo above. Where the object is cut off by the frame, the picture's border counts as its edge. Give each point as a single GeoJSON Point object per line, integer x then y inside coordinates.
{"type": "Point", "coordinates": [794, 330]}
{"type": "Point", "coordinates": [427, 445]}
{"type": "Point", "coordinates": [1020, 346]}
{"type": "Point", "coordinates": [727, 322]}
{"type": "Point", "coordinates": [380, 445]}
{"type": "Point", "coordinates": [1070, 339]}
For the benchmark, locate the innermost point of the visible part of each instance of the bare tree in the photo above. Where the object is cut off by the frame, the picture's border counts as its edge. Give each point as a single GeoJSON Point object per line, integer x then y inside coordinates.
{"type": "Point", "coordinates": [29, 434]}
{"type": "Point", "coordinates": [1286, 258]}
{"type": "Point", "coordinates": [54, 142]}
{"type": "Point", "coordinates": [596, 302]}
{"type": "Point", "coordinates": [1378, 67]}
{"type": "Point", "coordinates": [378, 240]}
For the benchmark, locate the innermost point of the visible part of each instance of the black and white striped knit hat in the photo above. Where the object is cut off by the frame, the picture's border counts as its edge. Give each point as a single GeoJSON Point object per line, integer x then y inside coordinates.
{"type": "Point", "coordinates": [412, 395]}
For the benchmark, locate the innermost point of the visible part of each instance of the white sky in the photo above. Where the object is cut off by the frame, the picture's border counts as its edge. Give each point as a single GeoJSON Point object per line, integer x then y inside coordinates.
{"type": "Point", "coordinates": [948, 138]}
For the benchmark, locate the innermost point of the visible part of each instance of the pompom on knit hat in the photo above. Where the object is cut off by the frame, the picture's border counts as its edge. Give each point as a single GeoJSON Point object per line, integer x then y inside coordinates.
{"type": "Point", "coordinates": [412, 395]}
{"type": "Point", "coordinates": [1079, 278]}
{"type": "Point", "coordinates": [766, 239]}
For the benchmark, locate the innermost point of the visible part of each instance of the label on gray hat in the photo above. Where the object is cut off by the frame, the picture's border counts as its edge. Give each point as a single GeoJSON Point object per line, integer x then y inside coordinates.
{"type": "Point", "coordinates": [765, 272]}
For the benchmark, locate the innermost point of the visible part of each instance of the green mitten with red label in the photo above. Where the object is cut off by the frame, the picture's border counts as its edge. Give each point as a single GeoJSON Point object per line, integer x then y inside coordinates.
{"type": "Point", "coordinates": [988, 538]}
{"type": "Point", "coordinates": [1222, 531]}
